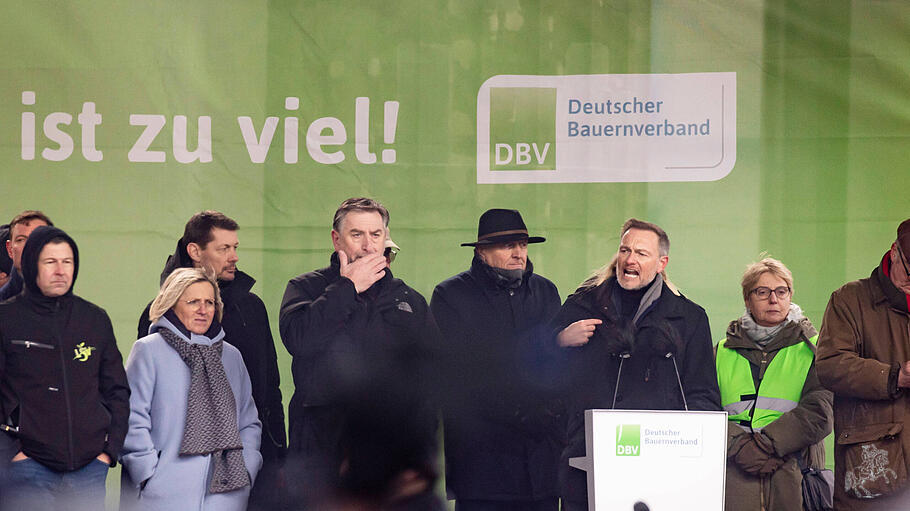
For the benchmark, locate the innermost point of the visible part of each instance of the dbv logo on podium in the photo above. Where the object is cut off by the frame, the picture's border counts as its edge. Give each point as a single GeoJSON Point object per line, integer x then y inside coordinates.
{"type": "Point", "coordinates": [628, 439]}
{"type": "Point", "coordinates": [606, 128]}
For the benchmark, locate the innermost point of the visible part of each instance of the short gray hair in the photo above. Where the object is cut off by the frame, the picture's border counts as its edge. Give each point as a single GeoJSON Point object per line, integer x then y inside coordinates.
{"type": "Point", "coordinates": [174, 287]}
{"type": "Point", "coordinates": [767, 265]}
{"type": "Point", "coordinates": [359, 205]}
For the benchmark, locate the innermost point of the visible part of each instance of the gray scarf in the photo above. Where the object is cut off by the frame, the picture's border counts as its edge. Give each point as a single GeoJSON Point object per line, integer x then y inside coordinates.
{"type": "Point", "coordinates": [211, 414]}
{"type": "Point", "coordinates": [650, 296]}
{"type": "Point", "coordinates": [762, 335]}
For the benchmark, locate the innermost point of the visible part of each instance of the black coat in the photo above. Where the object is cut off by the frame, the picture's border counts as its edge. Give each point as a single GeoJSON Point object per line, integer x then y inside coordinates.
{"type": "Point", "coordinates": [366, 356]}
{"type": "Point", "coordinates": [502, 435]}
{"type": "Point", "coordinates": [648, 380]}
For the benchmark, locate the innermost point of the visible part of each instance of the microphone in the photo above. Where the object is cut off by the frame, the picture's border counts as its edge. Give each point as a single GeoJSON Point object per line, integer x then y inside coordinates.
{"type": "Point", "coordinates": [666, 346]}
{"type": "Point", "coordinates": [640, 506]}
{"type": "Point", "coordinates": [620, 344]}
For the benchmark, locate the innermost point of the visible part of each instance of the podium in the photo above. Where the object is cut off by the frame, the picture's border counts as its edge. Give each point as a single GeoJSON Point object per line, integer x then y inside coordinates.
{"type": "Point", "coordinates": [668, 460]}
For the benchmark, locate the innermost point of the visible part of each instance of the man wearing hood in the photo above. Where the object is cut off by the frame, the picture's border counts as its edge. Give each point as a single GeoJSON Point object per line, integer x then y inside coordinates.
{"type": "Point", "coordinates": [864, 358]}
{"type": "Point", "coordinates": [631, 341]}
{"type": "Point", "coordinates": [358, 337]}
{"type": "Point", "coordinates": [210, 241]}
{"type": "Point", "coordinates": [19, 229]}
{"type": "Point", "coordinates": [502, 440]}
{"type": "Point", "coordinates": [63, 390]}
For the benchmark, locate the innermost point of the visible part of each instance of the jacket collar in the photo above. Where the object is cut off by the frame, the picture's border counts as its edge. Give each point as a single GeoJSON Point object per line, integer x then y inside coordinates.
{"type": "Point", "coordinates": [45, 304]}
{"type": "Point", "coordinates": [885, 290]}
{"type": "Point", "coordinates": [231, 290]}
{"type": "Point", "coordinates": [480, 271]}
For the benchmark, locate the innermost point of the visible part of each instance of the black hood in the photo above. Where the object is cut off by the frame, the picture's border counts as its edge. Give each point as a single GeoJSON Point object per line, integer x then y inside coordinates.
{"type": "Point", "coordinates": [179, 259]}
{"type": "Point", "coordinates": [36, 241]}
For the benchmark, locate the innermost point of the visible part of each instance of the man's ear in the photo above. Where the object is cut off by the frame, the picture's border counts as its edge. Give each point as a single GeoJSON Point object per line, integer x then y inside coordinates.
{"type": "Point", "coordinates": [9, 250]}
{"type": "Point", "coordinates": [336, 238]}
{"type": "Point", "coordinates": [664, 260]}
{"type": "Point", "coordinates": [194, 251]}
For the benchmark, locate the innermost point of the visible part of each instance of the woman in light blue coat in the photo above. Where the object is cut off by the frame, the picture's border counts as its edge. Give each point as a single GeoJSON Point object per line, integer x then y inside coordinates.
{"type": "Point", "coordinates": [193, 439]}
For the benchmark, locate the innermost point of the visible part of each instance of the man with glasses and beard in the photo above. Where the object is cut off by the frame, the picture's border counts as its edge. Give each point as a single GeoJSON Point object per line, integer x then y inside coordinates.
{"type": "Point", "coordinates": [864, 358]}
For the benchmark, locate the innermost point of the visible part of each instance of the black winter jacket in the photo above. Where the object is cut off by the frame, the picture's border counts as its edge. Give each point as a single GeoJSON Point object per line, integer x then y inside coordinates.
{"type": "Point", "coordinates": [502, 434]}
{"type": "Point", "coordinates": [351, 348]}
{"type": "Point", "coordinates": [246, 327]}
{"type": "Point", "coordinates": [648, 380]}
{"type": "Point", "coordinates": [62, 381]}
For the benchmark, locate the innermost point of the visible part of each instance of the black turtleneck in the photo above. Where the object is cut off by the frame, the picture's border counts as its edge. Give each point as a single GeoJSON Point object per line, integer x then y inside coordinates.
{"type": "Point", "coordinates": [628, 301]}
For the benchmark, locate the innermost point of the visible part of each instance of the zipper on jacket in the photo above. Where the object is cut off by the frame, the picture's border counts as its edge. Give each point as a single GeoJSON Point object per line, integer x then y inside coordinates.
{"type": "Point", "coordinates": [239, 313]}
{"type": "Point", "coordinates": [32, 344]}
{"type": "Point", "coordinates": [66, 396]}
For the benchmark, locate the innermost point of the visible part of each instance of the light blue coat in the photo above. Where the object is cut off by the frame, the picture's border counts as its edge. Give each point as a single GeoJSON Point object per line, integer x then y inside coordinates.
{"type": "Point", "coordinates": [160, 381]}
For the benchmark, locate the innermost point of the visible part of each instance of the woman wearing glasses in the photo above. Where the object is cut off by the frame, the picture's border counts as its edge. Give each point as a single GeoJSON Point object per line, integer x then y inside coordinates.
{"type": "Point", "coordinates": [193, 438]}
{"type": "Point", "coordinates": [779, 412]}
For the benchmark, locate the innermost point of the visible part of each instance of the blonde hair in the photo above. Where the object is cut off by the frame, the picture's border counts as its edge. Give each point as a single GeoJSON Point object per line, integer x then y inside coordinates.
{"type": "Point", "coordinates": [767, 265]}
{"type": "Point", "coordinates": [174, 287]}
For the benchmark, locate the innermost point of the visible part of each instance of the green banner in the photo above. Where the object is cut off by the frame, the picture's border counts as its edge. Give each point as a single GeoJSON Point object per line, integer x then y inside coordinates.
{"type": "Point", "coordinates": [122, 119]}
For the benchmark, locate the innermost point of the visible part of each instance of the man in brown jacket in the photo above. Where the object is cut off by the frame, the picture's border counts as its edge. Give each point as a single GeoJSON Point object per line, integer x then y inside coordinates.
{"type": "Point", "coordinates": [864, 358]}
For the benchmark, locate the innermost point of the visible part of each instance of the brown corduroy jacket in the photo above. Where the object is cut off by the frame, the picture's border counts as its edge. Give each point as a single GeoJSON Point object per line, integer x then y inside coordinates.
{"type": "Point", "coordinates": [863, 342]}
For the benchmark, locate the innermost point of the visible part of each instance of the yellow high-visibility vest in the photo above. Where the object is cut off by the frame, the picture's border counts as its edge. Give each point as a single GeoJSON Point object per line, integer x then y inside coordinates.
{"type": "Point", "coordinates": [778, 392]}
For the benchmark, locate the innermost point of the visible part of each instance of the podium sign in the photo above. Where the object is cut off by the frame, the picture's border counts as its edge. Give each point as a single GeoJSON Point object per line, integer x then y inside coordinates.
{"type": "Point", "coordinates": [668, 460]}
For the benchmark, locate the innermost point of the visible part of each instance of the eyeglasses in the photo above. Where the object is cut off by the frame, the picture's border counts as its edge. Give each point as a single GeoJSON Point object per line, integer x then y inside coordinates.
{"type": "Point", "coordinates": [196, 303]}
{"type": "Point", "coordinates": [900, 255]}
{"type": "Point", "coordinates": [763, 293]}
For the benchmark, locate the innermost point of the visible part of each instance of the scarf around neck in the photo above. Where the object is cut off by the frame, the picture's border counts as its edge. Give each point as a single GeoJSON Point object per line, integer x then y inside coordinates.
{"type": "Point", "coordinates": [897, 298]}
{"type": "Point", "coordinates": [211, 414]}
{"type": "Point", "coordinates": [762, 335]}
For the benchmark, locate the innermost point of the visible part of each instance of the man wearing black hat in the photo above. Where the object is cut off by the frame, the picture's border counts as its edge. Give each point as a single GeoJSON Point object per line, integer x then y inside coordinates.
{"type": "Point", "coordinates": [63, 390]}
{"type": "Point", "coordinates": [501, 428]}
{"type": "Point", "coordinates": [864, 358]}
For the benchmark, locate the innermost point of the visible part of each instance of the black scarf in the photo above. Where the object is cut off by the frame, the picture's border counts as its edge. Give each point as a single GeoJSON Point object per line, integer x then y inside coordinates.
{"type": "Point", "coordinates": [211, 414]}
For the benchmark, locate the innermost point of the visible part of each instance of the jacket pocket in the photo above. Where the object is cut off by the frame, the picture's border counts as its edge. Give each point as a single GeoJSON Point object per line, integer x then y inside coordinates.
{"type": "Point", "coordinates": [873, 460]}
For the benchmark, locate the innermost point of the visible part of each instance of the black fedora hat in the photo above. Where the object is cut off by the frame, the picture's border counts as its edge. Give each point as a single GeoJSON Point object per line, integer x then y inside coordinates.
{"type": "Point", "coordinates": [501, 226]}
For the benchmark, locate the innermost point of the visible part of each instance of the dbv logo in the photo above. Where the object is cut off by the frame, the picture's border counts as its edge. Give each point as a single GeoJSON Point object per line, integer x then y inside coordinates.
{"type": "Point", "coordinates": [628, 439]}
{"type": "Point", "coordinates": [523, 128]}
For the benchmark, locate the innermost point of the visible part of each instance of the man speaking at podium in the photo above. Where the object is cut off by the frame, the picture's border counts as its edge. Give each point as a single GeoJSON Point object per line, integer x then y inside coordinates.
{"type": "Point", "coordinates": [631, 341]}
